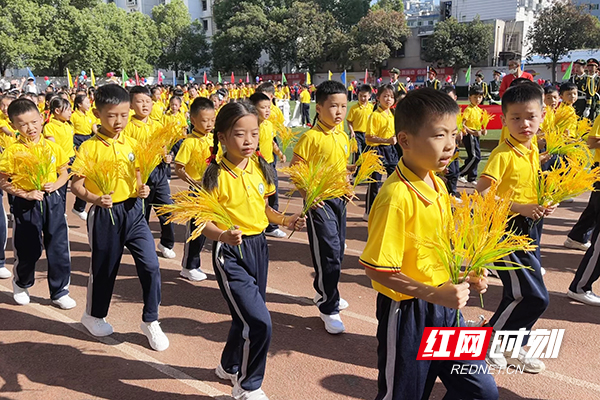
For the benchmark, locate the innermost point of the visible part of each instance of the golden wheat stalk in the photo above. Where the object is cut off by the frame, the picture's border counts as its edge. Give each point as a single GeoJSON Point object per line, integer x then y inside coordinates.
{"type": "Point", "coordinates": [486, 117]}
{"type": "Point", "coordinates": [353, 145]}
{"type": "Point", "coordinates": [368, 163]}
{"type": "Point", "coordinates": [169, 135]}
{"type": "Point", "coordinates": [286, 137]}
{"type": "Point", "coordinates": [570, 179]}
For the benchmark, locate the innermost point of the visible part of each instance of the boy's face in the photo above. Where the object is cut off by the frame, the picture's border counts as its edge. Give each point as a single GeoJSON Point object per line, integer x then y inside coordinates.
{"type": "Point", "coordinates": [333, 110]}
{"type": "Point", "coordinates": [476, 99]}
{"type": "Point", "coordinates": [175, 105]}
{"type": "Point", "coordinates": [433, 146]}
{"type": "Point", "coordinates": [569, 96]}
{"type": "Point", "coordinates": [264, 109]}
{"type": "Point", "coordinates": [141, 105]}
{"type": "Point", "coordinates": [363, 97]}
{"type": "Point", "coordinates": [551, 99]}
{"type": "Point", "coordinates": [113, 118]}
{"type": "Point", "coordinates": [41, 99]}
{"type": "Point", "coordinates": [28, 124]}
{"type": "Point", "coordinates": [193, 93]}
{"type": "Point", "coordinates": [203, 121]}
{"type": "Point", "coordinates": [523, 120]}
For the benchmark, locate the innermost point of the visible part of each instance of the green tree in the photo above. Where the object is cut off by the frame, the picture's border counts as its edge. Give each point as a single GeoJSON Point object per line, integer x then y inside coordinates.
{"type": "Point", "coordinates": [561, 28]}
{"type": "Point", "coordinates": [389, 5]}
{"type": "Point", "coordinates": [377, 35]}
{"type": "Point", "coordinates": [457, 45]}
{"type": "Point", "coordinates": [278, 37]}
{"type": "Point", "coordinates": [347, 13]}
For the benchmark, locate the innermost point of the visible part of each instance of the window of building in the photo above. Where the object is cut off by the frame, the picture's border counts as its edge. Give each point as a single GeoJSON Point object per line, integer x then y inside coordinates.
{"type": "Point", "coordinates": [593, 6]}
{"type": "Point", "coordinates": [204, 5]}
{"type": "Point", "coordinates": [430, 23]}
{"type": "Point", "coordinates": [205, 24]}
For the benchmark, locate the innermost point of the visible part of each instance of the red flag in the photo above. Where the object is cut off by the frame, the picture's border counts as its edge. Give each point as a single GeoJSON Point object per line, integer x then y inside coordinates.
{"type": "Point", "coordinates": [366, 75]}
{"type": "Point", "coordinates": [232, 78]}
{"type": "Point", "coordinates": [205, 77]}
{"type": "Point", "coordinates": [137, 79]}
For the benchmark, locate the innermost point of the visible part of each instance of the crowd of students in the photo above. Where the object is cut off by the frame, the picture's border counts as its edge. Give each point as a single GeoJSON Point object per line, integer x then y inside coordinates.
{"type": "Point", "coordinates": [230, 150]}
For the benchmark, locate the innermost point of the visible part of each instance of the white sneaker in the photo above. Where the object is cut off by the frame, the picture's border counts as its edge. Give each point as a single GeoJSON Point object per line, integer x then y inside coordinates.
{"type": "Point", "coordinates": [241, 394]}
{"type": "Point", "coordinates": [543, 271]}
{"type": "Point", "coordinates": [194, 275]}
{"type": "Point", "coordinates": [573, 244]}
{"type": "Point", "coordinates": [497, 362]}
{"type": "Point", "coordinates": [226, 376]}
{"type": "Point", "coordinates": [589, 297]}
{"type": "Point", "coordinates": [333, 323]}
{"type": "Point", "coordinates": [65, 302]}
{"type": "Point", "coordinates": [96, 326]}
{"type": "Point", "coordinates": [531, 365]}
{"type": "Point", "coordinates": [156, 337]}
{"type": "Point", "coordinates": [475, 323]}
{"type": "Point", "coordinates": [81, 214]}
{"type": "Point", "coordinates": [342, 305]}
{"type": "Point", "coordinates": [462, 179]}
{"type": "Point", "coordinates": [20, 295]}
{"type": "Point", "coordinates": [366, 217]}
{"type": "Point", "coordinates": [4, 273]}
{"type": "Point", "coordinates": [166, 252]}
{"type": "Point", "coordinates": [278, 233]}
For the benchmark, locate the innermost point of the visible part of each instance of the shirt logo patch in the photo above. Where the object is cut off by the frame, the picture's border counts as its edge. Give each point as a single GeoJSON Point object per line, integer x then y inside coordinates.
{"type": "Point", "coordinates": [131, 157]}
{"type": "Point", "coordinates": [261, 188]}
{"type": "Point", "coordinates": [53, 159]}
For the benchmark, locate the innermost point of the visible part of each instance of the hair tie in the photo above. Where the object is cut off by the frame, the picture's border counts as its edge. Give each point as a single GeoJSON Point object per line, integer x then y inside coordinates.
{"type": "Point", "coordinates": [212, 158]}
{"type": "Point", "coordinates": [258, 153]}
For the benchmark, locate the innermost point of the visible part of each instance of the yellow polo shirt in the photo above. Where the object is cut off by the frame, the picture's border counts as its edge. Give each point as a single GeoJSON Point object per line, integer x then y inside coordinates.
{"type": "Point", "coordinates": [10, 164]}
{"type": "Point", "coordinates": [203, 93]}
{"type": "Point", "coordinates": [179, 119]}
{"type": "Point", "coordinates": [319, 143]}
{"type": "Point", "coordinates": [62, 132]}
{"type": "Point", "coordinates": [406, 206]}
{"type": "Point", "coordinates": [359, 116]}
{"type": "Point", "coordinates": [101, 147]}
{"type": "Point", "coordinates": [470, 114]}
{"type": "Point", "coordinates": [139, 130]}
{"type": "Point", "coordinates": [82, 123]}
{"type": "Point", "coordinates": [595, 133]}
{"type": "Point", "coordinates": [196, 144]}
{"type": "Point", "coordinates": [305, 97]}
{"type": "Point", "coordinates": [266, 134]}
{"type": "Point", "coordinates": [158, 110]}
{"type": "Point", "coordinates": [381, 125]}
{"type": "Point", "coordinates": [243, 194]}
{"type": "Point", "coordinates": [515, 168]}
{"type": "Point", "coordinates": [5, 122]}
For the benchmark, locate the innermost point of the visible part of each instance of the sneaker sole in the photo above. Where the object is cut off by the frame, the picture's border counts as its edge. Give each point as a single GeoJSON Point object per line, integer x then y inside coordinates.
{"type": "Point", "coordinates": [589, 303]}
{"type": "Point", "coordinates": [518, 364]}
{"type": "Point", "coordinates": [224, 376]}
{"type": "Point", "coordinates": [189, 278]}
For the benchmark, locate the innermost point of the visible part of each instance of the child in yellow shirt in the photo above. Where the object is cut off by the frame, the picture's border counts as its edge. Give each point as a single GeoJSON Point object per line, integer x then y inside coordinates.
{"type": "Point", "coordinates": [468, 172]}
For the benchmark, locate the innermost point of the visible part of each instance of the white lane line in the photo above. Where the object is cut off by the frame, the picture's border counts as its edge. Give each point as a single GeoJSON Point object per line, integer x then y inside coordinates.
{"type": "Point", "coordinates": [168, 370]}
{"type": "Point", "coordinates": [573, 381]}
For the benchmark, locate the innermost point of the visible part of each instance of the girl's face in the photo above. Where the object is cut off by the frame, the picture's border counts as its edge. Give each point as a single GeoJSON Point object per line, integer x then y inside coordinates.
{"type": "Point", "coordinates": [386, 99]}
{"type": "Point", "coordinates": [242, 140]}
{"type": "Point", "coordinates": [175, 105]}
{"type": "Point", "coordinates": [63, 114]}
{"type": "Point", "coordinates": [85, 105]}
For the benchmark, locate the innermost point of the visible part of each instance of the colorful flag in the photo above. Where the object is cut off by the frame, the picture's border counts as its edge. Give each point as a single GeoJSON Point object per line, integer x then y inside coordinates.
{"type": "Point", "coordinates": [247, 77]}
{"type": "Point", "coordinates": [137, 78]}
{"type": "Point", "coordinates": [468, 76]}
{"type": "Point", "coordinates": [160, 77]}
{"type": "Point", "coordinates": [366, 75]}
{"type": "Point", "coordinates": [205, 80]}
{"type": "Point", "coordinates": [308, 82]}
{"type": "Point", "coordinates": [283, 78]}
{"type": "Point", "coordinates": [69, 79]}
{"type": "Point", "coordinates": [124, 77]}
{"type": "Point", "coordinates": [92, 77]}
{"type": "Point", "coordinates": [329, 75]}
{"type": "Point", "coordinates": [232, 78]}
{"type": "Point", "coordinates": [219, 80]}
{"type": "Point", "coordinates": [343, 77]}
{"type": "Point", "coordinates": [567, 74]}
{"type": "Point", "coordinates": [30, 74]}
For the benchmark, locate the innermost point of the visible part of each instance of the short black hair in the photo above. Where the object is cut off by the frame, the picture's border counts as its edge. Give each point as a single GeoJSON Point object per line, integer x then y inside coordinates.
{"type": "Point", "coordinates": [258, 97]}
{"type": "Point", "coordinates": [365, 88]}
{"type": "Point", "coordinates": [329, 88]}
{"type": "Point", "coordinates": [200, 104]}
{"type": "Point", "coordinates": [550, 89]}
{"type": "Point", "coordinates": [139, 90]}
{"type": "Point", "coordinates": [111, 94]}
{"type": "Point", "coordinates": [523, 94]}
{"type": "Point", "coordinates": [520, 81]}
{"type": "Point", "coordinates": [448, 89]}
{"type": "Point", "coordinates": [420, 106]}
{"type": "Point", "coordinates": [266, 87]}
{"type": "Point", "coordinates": [567, 86]}
{"type": "Point", "coordinates": [178, 92]}
{"type": "Point", "coordinates": [475, 91]}
{"type": "Point", "coordinates": [20, 107]}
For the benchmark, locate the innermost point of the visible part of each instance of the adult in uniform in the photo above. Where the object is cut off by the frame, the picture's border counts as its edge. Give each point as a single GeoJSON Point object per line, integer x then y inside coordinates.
{"type": "Point", "coordinates": [579, 77]}
{"type": "Point", "coordinates": [398, 86]}
{"type": "Point", "coordinates": [592, 96]}
{"type": "Point", "coordinates": [482, 85]}
{"type": "Point", "coordinates": [495, 87]}
{"type": "Point", "coordinates": [432, 81]}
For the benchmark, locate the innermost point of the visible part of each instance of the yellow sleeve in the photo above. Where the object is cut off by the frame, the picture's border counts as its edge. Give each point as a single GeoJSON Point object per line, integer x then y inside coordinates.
{"type": "Point", "coordinates": [386, 239]}
{"type": "Point", "coordinates": [49, 130]}
{"type": "Point", "coordinates": [495, 167]}
{"type": "Point", "coordinates": [185, 152]}
{"type": "Point", "coordinates": [61, 157]}
{"type": "Point", "coordinates": [351, 114]}
{"type": "Point", "coordinates": [373, 125]}
{"type": "Point", "coordinates": [304, 147]}
{"type": "Point", "coordinates": [7, 163]}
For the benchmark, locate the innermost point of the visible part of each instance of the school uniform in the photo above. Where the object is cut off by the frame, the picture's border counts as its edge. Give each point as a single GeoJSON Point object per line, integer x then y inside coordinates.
{"type": "Point", "coordinates": [107, 240]}
{"type": "Point", "coordinates": [241, 272]}
{"type": "Point", "coordinates": [406, 204]}
{"type": "Point", "coordinates": [82, 128]}
{"type": "Point", "coordinates": [471, 143]}
{"type": "Point", "coordinates": [197, 144]}
{"type": "Point", "coordinates": [525, 298]}
{"type": "Point", "coordinates": [266, 139]}
{"type": "Point", "coordinates": [359, 117]}
{"type": "Point", "coordinates": [62, 132]}
{"type": "Point", "coordinates": [326, 226]}
{"type": "Point", "coordinates": [40, 224]}
{"type": "Point", "coordinates": [381, 125]}
{"type": "Point", "coordinates": [158, 111]}
{"type": "Point", "coordinates": [160, 191]}
{"type": "Point", "coordinates": [305, 106]}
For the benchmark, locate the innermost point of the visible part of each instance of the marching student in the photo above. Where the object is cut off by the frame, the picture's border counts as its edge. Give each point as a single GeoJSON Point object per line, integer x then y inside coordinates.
{"type": "Point", "coordinates": [158, 107]}
{"type": "Point", "coordinates": [174, 113]}
{"type": "Point", "coordinates": [197, 144]}
{"type": "Point", "coordinates": [415, 291]}
{"type": "Point", "coordinates": [358, 117]}
{"type": "Point", "coordinates": [242, 181]}
{"type": "Point", "coordinates": [276, 117]}
{"type": "Point", "coordinates": [327, 223]}
{"type": "Point", "coordinates": [140, 126]}
{"type": "Point", "coordinates": [514, 165]}
{"type": "Point", "coordinates": [305, 106]}
{"type": "Point", "coordinates": [130, 229]}
{"type": "Point", "coordinates": [39, 216]}
{"type": "Point", "coordinates": [381, 136]}
{"type": "Point", "coordinates": [468, 172]}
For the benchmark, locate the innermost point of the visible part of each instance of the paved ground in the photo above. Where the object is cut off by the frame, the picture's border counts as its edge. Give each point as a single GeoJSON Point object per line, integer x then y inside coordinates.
{"type": "Point", "coordinates": [46, 353]}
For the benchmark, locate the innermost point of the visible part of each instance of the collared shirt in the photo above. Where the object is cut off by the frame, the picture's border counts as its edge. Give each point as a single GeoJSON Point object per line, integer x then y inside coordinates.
{"type": "Point", "coordinates": [381, 125]}
{"type": "Point", "coordinates": [139, 130]}
{"type": "Point", "coordinates": [471, 114]}
{"type": "Point", "coordinates": [62, 132]}
{"type": "Point", "coordinates": [515, 168]}
{"type": "Point", "coordinates": [121, 149]}
{"type": "Point", "coordinates": [329, 145]}
{"type": "Point", "coordinates": [359, 116]}
{"type": "Point", "coordinates": [158, 110]}
{"type": "Point", "coordinates": [405, 209]}
{"type": "Point", "coordinates": [197, 144]}
{"type": "Point", "coordinates": [82, 123]}
{"type": "Point", "coordinates": [243, 194]}
{"type": "Point", "coordinates": [9, 160]}
{"type": "Point", "coordinates": [305, 97]}
{"type": "Point", "coordinates": [266, 134]}
{"type": "Point", "coordinates": [179, 119]}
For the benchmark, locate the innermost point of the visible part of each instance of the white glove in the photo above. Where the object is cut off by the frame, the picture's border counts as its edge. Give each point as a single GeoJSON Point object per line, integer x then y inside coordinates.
{"type": "Point", "coordinates": [586, 112]}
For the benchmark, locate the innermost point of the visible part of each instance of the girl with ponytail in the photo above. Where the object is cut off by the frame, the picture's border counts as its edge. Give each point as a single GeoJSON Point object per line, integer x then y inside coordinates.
{"type": "Point", "coordinates": [241, 182]}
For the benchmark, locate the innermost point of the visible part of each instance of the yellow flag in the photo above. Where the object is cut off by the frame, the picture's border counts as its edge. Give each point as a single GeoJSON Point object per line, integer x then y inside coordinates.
{"type": "Point", "coordinates": [92, 77]}
{"type": "Point", "coordinates": [308, 82]}
{"type": "Point", "coordinates": [69, 79]}
{"type": "Point", "coordinates": [330, 75]}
